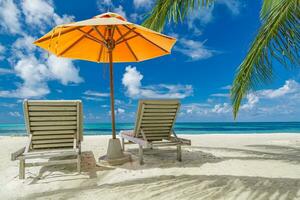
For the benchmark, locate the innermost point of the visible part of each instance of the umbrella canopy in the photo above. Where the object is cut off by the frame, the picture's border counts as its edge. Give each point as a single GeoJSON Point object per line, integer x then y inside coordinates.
{"type": "Point", "coordinates": [106, 38]}
{"type": "Point", "coordinates": [90, 40]}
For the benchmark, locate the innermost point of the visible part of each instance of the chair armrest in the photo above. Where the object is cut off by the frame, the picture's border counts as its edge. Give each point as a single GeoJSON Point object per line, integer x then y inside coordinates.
{"type": "Point", "coordinates": [181, 140]}
{"type": "Point", "coordinates": [16, 154]}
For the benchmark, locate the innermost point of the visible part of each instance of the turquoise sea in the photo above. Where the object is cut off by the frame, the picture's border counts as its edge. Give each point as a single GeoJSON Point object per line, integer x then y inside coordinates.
{"type": "Point", "coordinates": [181, 128]}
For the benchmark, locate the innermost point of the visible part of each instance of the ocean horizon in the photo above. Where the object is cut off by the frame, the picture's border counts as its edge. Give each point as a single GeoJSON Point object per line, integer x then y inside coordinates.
{"type": "Point", "coordinates": [180, 128]}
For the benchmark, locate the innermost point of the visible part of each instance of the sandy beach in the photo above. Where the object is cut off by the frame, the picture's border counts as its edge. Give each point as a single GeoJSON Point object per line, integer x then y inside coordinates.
{"type": "Point", "coordinates": [243, 166]}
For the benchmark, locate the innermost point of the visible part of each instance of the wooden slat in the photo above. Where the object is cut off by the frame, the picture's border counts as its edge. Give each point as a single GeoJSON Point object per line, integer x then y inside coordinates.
{"type": "Point", "coordinates": [59, 132]}
{"type": "Point", "coordinates": [52, 108]}
{"type": "Point", "coordinates": [45, 137]}
{"type": "Point", "coordinates": [164, 144]}
{"type": "Point", "coordinates": [159, 106]}
{"type": "Point", "coordinates": [38, 128]}
{"type": "Point", "coordinates": [156, 131]}
{"type": "Point", "coordinates": [55, 141]}
{"type": "Point", "coordinates": [158, 118]}
{"type": "Point", "coordinates": [44, 146]}
{"type": "Point", "coordinates": [158, 114]}
{"type": "Point", "coordinates": [52, 113]}
{"type": "Point", "coordinates": [51, 103]}
{"type": "Point", "coordinates": [49, 154]}
{"type": "Point", "coordinates": [56, 162]}
{"type": "Point", "coordinates": [156, 121]}
{"type": "Point", "coordinates": [156, 125]}
{"type": "Point", "coordinates": [53, 123]}
{"type": "Point", "coordinates": [56, 152]}
{"type": "Point", "coordinates": [160, 102]}
{"type": "Point", "coordinates": [52, 118]}
{"type": "Point", "coordinates": [156, 128]}
{"type": "Point", "coordinates": [160, 110]}
{"type": "Point", "coordinates": [156, 134]}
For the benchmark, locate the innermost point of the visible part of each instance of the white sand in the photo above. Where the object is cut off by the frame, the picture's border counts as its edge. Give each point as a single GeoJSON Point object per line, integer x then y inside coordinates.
{"type": "Point", "coordinates": [264, 166]}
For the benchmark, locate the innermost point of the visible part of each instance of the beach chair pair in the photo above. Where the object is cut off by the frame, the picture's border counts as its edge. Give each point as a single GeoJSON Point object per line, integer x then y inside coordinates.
{"type": "Point", "coordinates": [55, 130]}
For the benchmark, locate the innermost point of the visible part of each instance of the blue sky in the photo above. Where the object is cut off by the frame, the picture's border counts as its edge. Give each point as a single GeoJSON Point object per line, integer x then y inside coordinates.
{"type": "Point", "coordinates": [211, 44]}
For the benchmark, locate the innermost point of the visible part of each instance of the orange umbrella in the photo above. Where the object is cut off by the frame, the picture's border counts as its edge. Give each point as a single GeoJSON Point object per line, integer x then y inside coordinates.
{"type": "Point", "coordinates": [106, 38]}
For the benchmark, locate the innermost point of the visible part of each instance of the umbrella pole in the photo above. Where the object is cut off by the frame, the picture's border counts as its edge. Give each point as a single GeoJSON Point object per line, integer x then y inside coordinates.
{"type": "Point", "coordinates": [112, 99]}
{"type": "Point", "coordinates": [115, 155]}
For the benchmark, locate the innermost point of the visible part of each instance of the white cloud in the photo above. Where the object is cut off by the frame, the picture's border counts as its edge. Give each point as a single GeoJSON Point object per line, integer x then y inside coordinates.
{"type": "Point", "coordinates": [252, 100]}
{"type": "Point", "coordinates": [221, 108]}
{"type": "Point", "coordinates": [89, 98]}
{"type": "Point", "coordinates": [34, 70]}
{"type": "Point", "coordinates": [8, 105]}
{"type": "Point", "coordinates": [290, 86]}
{"type": "Point", "coordinates": [226, 87]}
{"type": "Point", "coordinates": [97, 94]}
{"type": "Point", "coordinates": [233, 5]}
{"type": "Point", "coordinates": [220, 95]}
{"type": "Point", "coordinates": [6, 71]}
{"type": "Point", "coordinates": [132, 81]}
{"type": "Point", "coordinates": [39, 13]}
{"type": "Point", "coordinates": [23, 45]}
{"type": "Point", "coordinates": [135, 17]}
{"type": "Point", "coordinates": [146, 4]}
{"type": "Point", "coordinates": [107, 5]}
{"type": "Point", "coordinates": [14, 114]}
{"type": "Point", "coordinates": [193, 49]}
{"type": "Point", "coordinates": [257, 106]}
{"type": "Point", "coordinates": [118, 111]}
{"type": "Point", "coordinates": [202, 16]}
{"type": "Point", "coordinates": [104, 5]}
{"type": "Point", "coordinates": [9, 16]}
{"type": "Point", "coordinates": [35, 75]}
{"type": "Point", "coordinates": [120, 10]}
{"type": "Point", "coordinates": [63, 70]}
{"type": "Point", "coordinates": [2, 51]}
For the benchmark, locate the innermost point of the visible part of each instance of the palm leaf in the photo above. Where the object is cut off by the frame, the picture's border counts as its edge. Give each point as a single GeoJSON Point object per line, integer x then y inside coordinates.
{"type": "Point", "coordinates": [172, 11]}
{"type": "Point", "coordinates": [278, 37]}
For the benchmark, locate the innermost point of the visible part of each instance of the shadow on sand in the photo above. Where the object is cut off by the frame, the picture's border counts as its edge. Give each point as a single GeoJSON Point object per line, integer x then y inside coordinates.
{"type": "Point", "coordinates": [183, 186]}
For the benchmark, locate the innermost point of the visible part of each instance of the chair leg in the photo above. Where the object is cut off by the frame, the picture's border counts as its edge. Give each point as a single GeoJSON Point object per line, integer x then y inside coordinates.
{"type": "Point", "coordinates": [179, 153]}
{"type": "Point", "coordinates": [141, 161]}
{"type": "Point", "coordinates": [79, 163]}
{"type": "Point", "coordinates": [22, 169]}
{"type": "Point", "coordinates": [123, 144]}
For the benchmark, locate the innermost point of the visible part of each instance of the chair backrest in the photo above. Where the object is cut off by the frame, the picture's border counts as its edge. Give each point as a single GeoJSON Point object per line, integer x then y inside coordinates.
{"type": "Point", "coordinates": [53, 124]}
{"type": "Point", "coordinates": [156, 118]}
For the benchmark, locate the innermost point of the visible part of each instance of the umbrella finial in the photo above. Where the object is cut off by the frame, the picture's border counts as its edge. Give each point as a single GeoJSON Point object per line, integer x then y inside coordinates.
{"type": "Point", "coordinates": [110, 15]}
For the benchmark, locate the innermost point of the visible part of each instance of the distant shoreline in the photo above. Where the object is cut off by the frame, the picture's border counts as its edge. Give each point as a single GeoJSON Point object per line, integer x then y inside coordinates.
{"type": "Point", "coordinates": [186, 128]}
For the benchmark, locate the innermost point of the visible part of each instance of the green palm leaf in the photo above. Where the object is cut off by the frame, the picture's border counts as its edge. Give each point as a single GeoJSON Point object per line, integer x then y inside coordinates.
{"type": "Point", "coordinates": [172, 11]}
{"type": "Point", "coordinates": [278, 37]}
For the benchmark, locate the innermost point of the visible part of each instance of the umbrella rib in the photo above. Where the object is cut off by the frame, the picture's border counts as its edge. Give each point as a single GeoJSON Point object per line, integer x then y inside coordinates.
{"type": "Point", "coordinates": [101, 49]}
{"type": "Point", "coordinates": [91, 37]}
{"type": "Point", "coordinates": [148, 40]}
{"type": "Point", "coordinates": [123, 36]}
{"type": "Point", "coordinates": [129, 38]}
{"type": "Point", "coordinates": [55, 35]}
{"type": "Point", "coordinates": [99, 33]}
{"type": "Point", "coordinates": [128, 46]}
{"type": "Point", "coordinates": [73, 44]}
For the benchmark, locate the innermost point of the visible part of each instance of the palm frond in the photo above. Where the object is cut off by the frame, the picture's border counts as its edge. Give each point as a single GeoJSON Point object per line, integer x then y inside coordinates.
{"type": "Point", "coordinates": [278, 37]}
{"type": "Point", "coordinates": [172, 11]}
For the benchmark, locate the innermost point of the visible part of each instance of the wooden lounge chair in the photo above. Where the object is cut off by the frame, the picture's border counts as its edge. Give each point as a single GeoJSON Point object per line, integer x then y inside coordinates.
{"type": "Point", "coordinates": [55, 130]}
{"type": "Point", "coordinates": [154, 127]}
